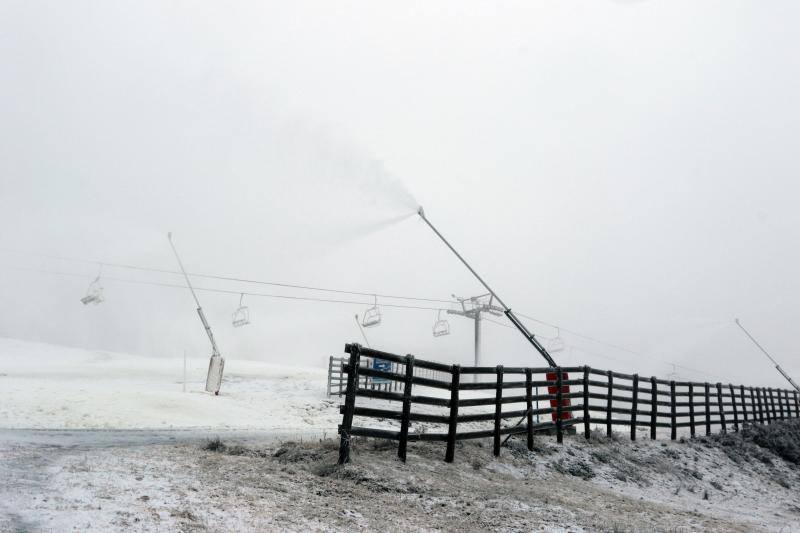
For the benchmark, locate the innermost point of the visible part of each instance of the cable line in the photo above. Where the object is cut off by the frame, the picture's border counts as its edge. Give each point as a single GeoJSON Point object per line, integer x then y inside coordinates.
{"type": "Point", "coordinates": [222, 291]}
{"type": "Point", "coordinates": [237, 279]}
{"type": "Point", "coordinates": [304, 298]}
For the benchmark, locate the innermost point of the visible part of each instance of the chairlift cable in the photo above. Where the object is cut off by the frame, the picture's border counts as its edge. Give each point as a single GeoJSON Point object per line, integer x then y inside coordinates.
{"type": "Point", "coordinates": [223, 291]}
{"type": "Point", "coordinates": [604, 356]}
{"type": "Point", "coordinates": [324, 300]}
{"type": "Point", "coordinates": [236, 279]}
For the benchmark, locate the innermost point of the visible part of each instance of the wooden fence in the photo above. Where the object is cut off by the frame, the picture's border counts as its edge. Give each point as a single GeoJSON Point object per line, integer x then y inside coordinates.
{"type": "Point", "coordinates": [589, 397]}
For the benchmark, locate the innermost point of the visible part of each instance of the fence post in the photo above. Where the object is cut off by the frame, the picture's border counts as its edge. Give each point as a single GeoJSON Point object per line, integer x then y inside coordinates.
{"type": "Point", "coordinates": [691, 409]}
{"type": "Point", "coordinates": [559, 407]}
{"type": "Point", "coordinates": [760, 409]}
{"type": "Point", "coordinates": [708, 410]}
{"type": "Point", "coordinates": [634, 405]}
{"type": "Point", "coordinates": [772, 417]}
{"type": "Point", "coordinates": [404, 421]}
{"type": "Point", "coordinates": [587, 417]}
{"type": "Point", "coordinates": [755, 404]}
{"type": "Point", "coordinates": [653, 407]}
{"type": "Point", "coordinates": [796, 404]}
{"type": "Point", "coordinates": [770, 406]}
{"type": "Point", "coordinates": [735, 413]}
{"type": "Point", "coordinates": [342, 384]}
{"type": "Point", "coordinates": [775, 414]}
{"type": "Point", "coordinates": [451, 429]}
{"type": "Point", "coordinates": [498, 409]}
{"type": "Point", "coordinates": [529, 405]}
{"type": "Point", "coordinates": [723, 429]}
{"type": "Point", "coordinates": [744, 403]}
{"type": "Point", "coordinates": [349, 403]}
{"type": "Point", "coordinates": [673, 428]}
{"type": "Point", "coordinates": [787, 402]}
{"type": "Point", "coordinates": [330, 373]}
{"type": "Point", "coordinates": [609, 401]}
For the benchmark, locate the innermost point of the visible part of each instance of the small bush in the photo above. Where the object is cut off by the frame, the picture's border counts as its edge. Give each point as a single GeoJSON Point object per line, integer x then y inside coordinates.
{"type": "Point", "coordinates": [782, 438]}
{"type": "Point", "coordinates": [214, 445]}
{"type": "Point", "coordinates": [578, 468]}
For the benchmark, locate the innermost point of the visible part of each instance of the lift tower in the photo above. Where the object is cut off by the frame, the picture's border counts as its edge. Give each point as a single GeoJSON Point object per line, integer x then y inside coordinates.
{"type": "Point", "coordinates": [473, 308]}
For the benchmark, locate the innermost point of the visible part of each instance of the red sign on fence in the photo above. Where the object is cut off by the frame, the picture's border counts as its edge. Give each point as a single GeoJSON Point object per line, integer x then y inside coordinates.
{"type": "Point", "coordinates": [565, 402]}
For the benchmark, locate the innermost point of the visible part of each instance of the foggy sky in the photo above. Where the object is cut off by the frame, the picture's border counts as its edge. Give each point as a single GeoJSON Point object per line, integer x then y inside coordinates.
{"type": "Point", "coordinates": [626, 170]}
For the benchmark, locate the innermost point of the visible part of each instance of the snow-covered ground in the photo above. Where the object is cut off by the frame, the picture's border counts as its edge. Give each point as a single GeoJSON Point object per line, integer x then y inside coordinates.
{"type": "Point", "coordinates": [249, 485]}
{"type": "Point", "coordinates": [101, 441]}
{"type": "Point", "coordinates": [46, 386]}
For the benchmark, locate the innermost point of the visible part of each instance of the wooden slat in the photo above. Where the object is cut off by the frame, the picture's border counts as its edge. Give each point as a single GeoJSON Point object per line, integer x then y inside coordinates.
{"type": "Point", "coordinates": [398, 397]}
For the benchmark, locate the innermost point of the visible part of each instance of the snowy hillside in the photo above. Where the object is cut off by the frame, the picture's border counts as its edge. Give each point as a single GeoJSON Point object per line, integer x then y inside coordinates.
{"type": "Point", "coordinates": [47, 386]}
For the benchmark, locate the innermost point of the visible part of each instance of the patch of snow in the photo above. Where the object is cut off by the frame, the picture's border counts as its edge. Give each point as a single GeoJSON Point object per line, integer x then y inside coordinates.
{"type": "Point", "coordinates": [47, 386]}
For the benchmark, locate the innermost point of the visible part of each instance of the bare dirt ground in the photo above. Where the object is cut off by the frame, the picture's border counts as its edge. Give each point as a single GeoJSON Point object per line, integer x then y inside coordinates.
{"type": "Point", "coordinates": [716, 484]}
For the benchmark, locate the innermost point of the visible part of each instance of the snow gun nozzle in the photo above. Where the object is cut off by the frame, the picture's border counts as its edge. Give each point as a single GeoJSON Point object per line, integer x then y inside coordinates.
{"type": "Point", "coordinates": [421, 212]}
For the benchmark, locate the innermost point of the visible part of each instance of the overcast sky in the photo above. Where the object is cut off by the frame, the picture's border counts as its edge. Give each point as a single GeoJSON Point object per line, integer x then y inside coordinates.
{"type": "Point", "coordinates": [627, 170]}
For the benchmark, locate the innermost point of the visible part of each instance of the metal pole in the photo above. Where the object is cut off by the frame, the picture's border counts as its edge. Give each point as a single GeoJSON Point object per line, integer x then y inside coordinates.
{"type": "Point", "coordinates": [216, 365]}
{"type": "Point", "coordinates": [363, 334]}
{"type": "Point", "coordinates": [511, 316]}
{"type": "Point", "coordinates": [215, 350]}
{"type": "Point", "coordinates": [184, 370]}
{"type": "Point", "coordinates": [774, 362]}
{"type": "Point", "coordinates": [477, 344]}
{"type": "Point", "coordinates": [421, 213]}
{"type": "Point", "coordinates": [183, 270]}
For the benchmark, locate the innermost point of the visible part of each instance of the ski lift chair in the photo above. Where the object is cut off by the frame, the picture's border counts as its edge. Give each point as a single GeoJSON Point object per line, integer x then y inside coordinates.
{"type": "Point", "coordinates": [441, 327]}
{"type": "Point", "coordinates": [556, 344]}
{"type": "Point", "coordinates": [94, 294]}
{"type": "Point", "coordinates": [372, 316]}
{"type": "Point", "coordinates": [241, 317]}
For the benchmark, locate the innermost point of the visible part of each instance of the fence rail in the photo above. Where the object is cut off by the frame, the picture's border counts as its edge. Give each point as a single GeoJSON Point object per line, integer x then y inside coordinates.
{"type": "Point", "coordinates": [337, 380]}
{"type": "Point", "coordinates": [604, 398]}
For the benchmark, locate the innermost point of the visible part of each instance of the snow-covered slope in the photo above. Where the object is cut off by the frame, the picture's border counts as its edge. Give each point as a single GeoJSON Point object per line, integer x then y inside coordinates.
{"type": "Point", "coordinates": [47, 386]}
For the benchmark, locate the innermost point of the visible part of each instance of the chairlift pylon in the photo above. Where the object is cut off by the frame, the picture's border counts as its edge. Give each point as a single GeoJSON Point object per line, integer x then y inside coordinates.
{"type": "Point", "coordinates": [441, 327]}
{"type": "Point", "coordinates": [94, 294]}
{"type": "Point", "coordinates": [241, 317]}
{"type": "Point", "coordinates": [372, 316]}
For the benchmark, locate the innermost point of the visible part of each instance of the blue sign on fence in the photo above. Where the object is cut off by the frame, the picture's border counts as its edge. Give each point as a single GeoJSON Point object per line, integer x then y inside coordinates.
{"type": "Point", "coordinates": [383, 366]}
